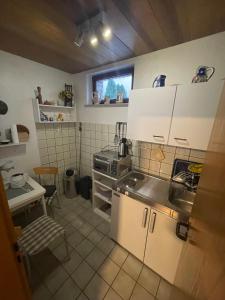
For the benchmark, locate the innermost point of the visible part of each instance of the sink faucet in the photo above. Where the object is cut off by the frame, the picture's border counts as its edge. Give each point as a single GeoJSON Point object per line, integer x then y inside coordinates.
{"type": "Point", "coordinates": [186, 178]}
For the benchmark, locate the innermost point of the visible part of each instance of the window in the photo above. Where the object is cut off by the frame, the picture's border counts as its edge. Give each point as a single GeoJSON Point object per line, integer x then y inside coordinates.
{"type": "Point", "coordinates": [114, 84]}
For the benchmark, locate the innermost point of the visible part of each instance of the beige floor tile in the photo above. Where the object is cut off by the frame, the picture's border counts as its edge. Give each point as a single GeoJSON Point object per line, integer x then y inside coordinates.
{"type": "Point", "coordinates": [55, 279]}
{"type": "Point", "coordinates": [132, 266]}
{"type": "Point", "coordinates": [123, 285]}
{"type": "Point", "coordinates": [75, 239]}
{"type": "Point", "coordinates": [108, 270]}
{"type": "Point", "coordinates": [86, 228]}
{"type": "Point", "coordinates": [118, 255]}
{"type": "Point", "coordinates": [164, 290]}
{"type": "Point", "coordinates": [82, 297]}
{"type": "Point", "coordinates": [97, 288]}
{"type": "Point", "coordinates": [82, 275]}
{"type": "Point", "coordinates": [95, 236]}
{"type": "Point", "coordinates": [95, 258]}
{"type": "Point", "coordinates": [112, 295]}
{"type": "Point", "coordinates": [106, 245]}
{"type": "Point", "coordinates": [139, 293]}
{"type": "Point", "coordinates": [84, 248]}
{"type": "Point", "coordinates": [69, 291]}
{"type": "Point", "coordinates": [149, 280]}
{"type": "Point", "coordinates": [104, 227]}
{"type": "Point", "coordinates": [73, 263]}
{"type": "Point", "coordinates": [61, 253]}
{"type": "Point", "coordinates": [78, 222]}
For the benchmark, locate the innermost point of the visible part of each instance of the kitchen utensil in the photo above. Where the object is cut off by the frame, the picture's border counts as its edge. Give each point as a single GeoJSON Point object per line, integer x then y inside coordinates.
{"type": "Point", "coordinates": [119, 130]}
{"type": "Point", "coordinates": [159, 81]}
{"type": "Point", "coordinates": [3, 108]}
{"type": "Point", "coordinates": [203, 74]}
{"type": "Point", "coordinates": [116, 138]}
{"type": "Point", "coordinates": [123, 148]}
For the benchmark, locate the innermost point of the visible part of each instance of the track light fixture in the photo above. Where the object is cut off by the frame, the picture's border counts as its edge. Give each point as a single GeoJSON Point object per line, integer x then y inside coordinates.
{"type": "Point", "coordinates": [89, 29]}
{"type": "Point", "coordinates": [94, 40]}
{"type": "Point", "coordinates": [107, 33]}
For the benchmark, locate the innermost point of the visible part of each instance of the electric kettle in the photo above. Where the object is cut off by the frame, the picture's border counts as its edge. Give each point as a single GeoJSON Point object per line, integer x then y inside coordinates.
{"type": "Point", "coordinates": [159, 81]}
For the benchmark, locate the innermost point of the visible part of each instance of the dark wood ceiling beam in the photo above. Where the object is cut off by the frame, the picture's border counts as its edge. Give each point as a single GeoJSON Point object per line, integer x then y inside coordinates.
{"type": "Point", "coordinates": [124, 30]}
{"type": "Point", "coordinates": [141, 17]}
{"type": "Point", "coordinates": [20, 46]}
{"type": "Point", "coordinates": [165, 13]}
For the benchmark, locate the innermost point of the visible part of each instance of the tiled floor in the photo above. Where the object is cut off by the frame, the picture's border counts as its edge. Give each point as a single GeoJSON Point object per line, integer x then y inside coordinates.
{"type": "Point", "coordinates": [98, 268]}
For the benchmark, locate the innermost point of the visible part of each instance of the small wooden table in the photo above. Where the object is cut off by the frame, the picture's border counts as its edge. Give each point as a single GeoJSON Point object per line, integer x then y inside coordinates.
{"type": "Point", "coordinates": [28, 194]}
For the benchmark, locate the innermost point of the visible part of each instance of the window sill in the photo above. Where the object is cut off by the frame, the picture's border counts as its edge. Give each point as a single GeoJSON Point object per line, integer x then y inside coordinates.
{"type": "Point", "coordinates": [107, 105]}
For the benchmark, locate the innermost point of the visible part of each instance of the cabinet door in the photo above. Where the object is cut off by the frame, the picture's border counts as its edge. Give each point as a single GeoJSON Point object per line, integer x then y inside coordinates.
{"type": "Point", "coordinates": [194, 112]}
{"type": "Point", "coordinates": [163, 247]}
{"type": "Point", "coordinates": [129, 222]}
{"type": "Point", "coordinates": [149, 114]}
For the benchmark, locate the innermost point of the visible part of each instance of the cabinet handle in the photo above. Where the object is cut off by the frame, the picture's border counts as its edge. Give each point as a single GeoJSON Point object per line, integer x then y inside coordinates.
{"type": "Point", "coordinates": [144, 219]}
{"type": "Point", "coordinates": [152, 222]}
{"type": "Point", "coordinates": [180, 139]}
{"type": "Point", "coordinates": [158, 136]}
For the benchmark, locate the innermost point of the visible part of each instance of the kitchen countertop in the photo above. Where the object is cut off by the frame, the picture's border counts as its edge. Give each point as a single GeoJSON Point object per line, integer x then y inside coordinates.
{"type": "Point", "coordinates": [155, 192]}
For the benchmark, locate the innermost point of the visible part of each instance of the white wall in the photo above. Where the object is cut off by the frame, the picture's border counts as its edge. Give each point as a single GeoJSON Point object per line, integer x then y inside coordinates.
{"type": "Point", "coordinates": [178, 63]}
{"type": "Point", "coordinates": [18, 79]}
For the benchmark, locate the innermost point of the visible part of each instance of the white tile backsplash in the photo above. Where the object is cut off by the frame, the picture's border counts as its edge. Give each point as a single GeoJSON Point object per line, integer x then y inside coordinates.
{"type": "Point", "coordinates": [59, 145]}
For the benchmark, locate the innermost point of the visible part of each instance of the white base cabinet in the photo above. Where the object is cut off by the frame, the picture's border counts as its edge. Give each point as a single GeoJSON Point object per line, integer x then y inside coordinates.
{"type": "Point", "coordinates": [163, 247]}
{"type": "Point", "coordinates": [129, 224]}
{"type": "Point", "coordinates": [146, 233]}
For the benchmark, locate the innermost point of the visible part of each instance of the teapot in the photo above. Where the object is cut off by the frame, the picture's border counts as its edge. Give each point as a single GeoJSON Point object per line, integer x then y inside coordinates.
{"type": "Point", "coordinates": [203, 74]}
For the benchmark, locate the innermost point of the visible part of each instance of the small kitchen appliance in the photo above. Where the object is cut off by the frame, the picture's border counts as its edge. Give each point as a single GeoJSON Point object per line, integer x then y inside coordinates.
{"type": "Point", "coordinates": [109, 162]}
{"type": "Point", "coordinates": [159, 81]}
{"type": "Point", "coordinates": [203, 74]}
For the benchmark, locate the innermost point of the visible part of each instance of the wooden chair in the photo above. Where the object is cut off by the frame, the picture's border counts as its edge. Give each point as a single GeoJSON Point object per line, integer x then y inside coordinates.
{"type": "Point", "coordinates": [51, 190]}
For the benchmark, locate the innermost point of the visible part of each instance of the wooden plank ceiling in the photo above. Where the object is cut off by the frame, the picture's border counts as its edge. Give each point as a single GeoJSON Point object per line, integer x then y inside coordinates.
{"type": "Point", "coordinates": [44, 30]}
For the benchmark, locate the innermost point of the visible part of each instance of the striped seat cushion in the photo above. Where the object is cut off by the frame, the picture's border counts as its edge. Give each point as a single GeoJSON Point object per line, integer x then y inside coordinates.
{"type": "Point", "coordinates": [39, 234]}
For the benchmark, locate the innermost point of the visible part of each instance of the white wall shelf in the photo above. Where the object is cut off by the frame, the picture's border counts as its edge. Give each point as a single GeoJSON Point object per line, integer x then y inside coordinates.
{"type": "Point", "coordinates": [55, 106]}
{"type": "Point", "coordinates": [69, 113]}
{"type": "Point", "coordinates": [11, 145]}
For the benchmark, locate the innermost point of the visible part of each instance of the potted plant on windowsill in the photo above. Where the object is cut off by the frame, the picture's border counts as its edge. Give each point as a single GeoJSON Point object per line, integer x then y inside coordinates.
{"type": "Point", "coordinates": [67, 95]}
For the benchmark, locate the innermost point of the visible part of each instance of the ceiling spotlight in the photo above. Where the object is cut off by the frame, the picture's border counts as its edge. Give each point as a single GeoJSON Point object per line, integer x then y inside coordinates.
{"type": "Point", "coordinates": [107, 33]}
{"type": "Point", "coordinates": [94, 41]}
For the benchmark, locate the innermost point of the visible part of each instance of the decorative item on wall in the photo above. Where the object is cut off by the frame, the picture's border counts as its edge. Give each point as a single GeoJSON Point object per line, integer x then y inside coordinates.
{"type": "Point", "coordinates": [38, 95]}
{"type": "Point", "coordinates": [23, 133]}
{"type": "Point", "coordinates": [203, 74]}
{"type": "Point", "coordinates": [67, 95]}
{"type": "Point", "coordinates": [159, 81]}
{"type": "Point", "coordinates": [3, 108]}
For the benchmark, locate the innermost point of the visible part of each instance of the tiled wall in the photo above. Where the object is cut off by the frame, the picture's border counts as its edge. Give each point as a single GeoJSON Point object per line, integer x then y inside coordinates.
{"type": "Point", "coordinates": [97, 136]}
{"type": "Point", "coordinates": [59, 145]}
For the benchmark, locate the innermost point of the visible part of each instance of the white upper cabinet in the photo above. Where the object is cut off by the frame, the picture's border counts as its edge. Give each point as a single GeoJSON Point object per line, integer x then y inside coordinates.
{"type": "Point", "coordinates": [149, 114]}
{"type": "Point", "coordinates": [194, 112]}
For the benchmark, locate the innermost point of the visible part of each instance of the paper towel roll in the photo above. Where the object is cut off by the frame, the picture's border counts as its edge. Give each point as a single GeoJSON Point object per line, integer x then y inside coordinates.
{"type": "Point", "coordinates": [14, 132]}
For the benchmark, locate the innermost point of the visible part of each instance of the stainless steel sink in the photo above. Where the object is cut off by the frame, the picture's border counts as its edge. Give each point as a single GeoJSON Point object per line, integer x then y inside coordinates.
{"type": "Point", "coordinates": [181, 197]}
